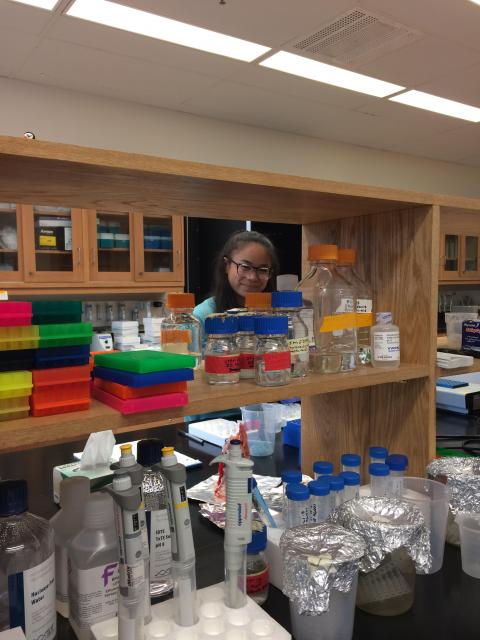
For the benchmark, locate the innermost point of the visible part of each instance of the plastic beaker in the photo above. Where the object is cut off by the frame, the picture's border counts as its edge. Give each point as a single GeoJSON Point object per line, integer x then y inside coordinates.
{"type": "Point", "coordinates": [334, 624]}
{"type": "Point", "coordinates": [469, 525]}
{"type": "Point", "coordinates": [259, 421]}
{"type": "Point", "coordinates": [431, 498]}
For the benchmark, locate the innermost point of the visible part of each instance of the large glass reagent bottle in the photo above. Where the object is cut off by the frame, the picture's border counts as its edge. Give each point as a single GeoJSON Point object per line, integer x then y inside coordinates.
{"type": "Point", "coordinates": [181, 332]}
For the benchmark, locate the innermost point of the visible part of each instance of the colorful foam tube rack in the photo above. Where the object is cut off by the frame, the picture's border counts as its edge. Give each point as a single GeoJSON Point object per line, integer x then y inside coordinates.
{"type": "Point", "coordinates": [15, 391]}
{"type": "Point", "coordinates": [60, 390]}
{"type": "Point", "coordinates": [138, 381]}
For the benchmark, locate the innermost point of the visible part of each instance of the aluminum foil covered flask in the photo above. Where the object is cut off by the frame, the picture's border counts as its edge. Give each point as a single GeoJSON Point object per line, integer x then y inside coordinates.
{"type": "Point", "coordinates": [320, 567]}
{"type": "Point", "coordinates": [397, 545]}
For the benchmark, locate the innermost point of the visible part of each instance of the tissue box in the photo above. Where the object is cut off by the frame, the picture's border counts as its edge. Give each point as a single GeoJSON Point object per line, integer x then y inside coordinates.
{"type": "Point", "coordinates": [99, 477]}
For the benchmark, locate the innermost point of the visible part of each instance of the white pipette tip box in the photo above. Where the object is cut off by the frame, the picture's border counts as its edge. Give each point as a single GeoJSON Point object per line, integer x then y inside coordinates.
{"type": "Point", "coordinates": [216, 620]}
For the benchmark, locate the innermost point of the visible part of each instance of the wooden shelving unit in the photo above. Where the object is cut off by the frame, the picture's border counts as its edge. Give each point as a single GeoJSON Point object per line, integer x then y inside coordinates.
{"type": "Point", "coordinates": [396, 235]}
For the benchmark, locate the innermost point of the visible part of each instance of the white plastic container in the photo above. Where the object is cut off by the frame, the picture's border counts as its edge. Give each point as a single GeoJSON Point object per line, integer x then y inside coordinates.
{"type": "Point", "coordinates": [454, 327]}
{"type": "Point", "coordinates": [94, 556]}
{"type": "Point", "coordinates": [385, 339]}
{"type": "Point", "coordinates": [66, 524]}
{"type": "Point", "coordinates": [469, 525]}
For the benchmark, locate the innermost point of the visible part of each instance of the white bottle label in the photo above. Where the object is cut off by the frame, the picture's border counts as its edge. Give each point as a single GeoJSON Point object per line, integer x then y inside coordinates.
{"type": "Point", "coordinates": [93, 594]}
{"type": "Point", "coordinates": [345, 306]}
{"type": "Point", "coordinates": [306, 314]}
{"type": "Point", "coordinates": [31, 595]}
{"type": "Point", "coordinates": [61, 574]}
{"type": "Point", "coordinates": [364, 305]}
{"type": "Point", "coordinates": [160, 546]}
{"type": "Point", "coordinates": [386, 346]}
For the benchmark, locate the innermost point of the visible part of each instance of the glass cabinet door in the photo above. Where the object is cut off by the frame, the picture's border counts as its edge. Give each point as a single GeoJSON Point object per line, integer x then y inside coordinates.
{"type": "Point", "coordinates": [10, 243]}
{"type": "Point", "coordinates": [53, 244]}
{"type": "Point", "coordinates": [450, 266]}
{"type": "Point", "coordinates": [158, 248]}
{"type": "Point", "coordinates": [470, 257]}
{"type": "Point", "coordinates": [110, 237]}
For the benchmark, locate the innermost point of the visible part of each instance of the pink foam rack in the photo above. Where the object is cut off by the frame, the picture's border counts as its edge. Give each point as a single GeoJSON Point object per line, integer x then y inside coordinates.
{"type": "Point", "coordinates": [138, 405]}
{"type": "Point", "coordinates": [15, 314]}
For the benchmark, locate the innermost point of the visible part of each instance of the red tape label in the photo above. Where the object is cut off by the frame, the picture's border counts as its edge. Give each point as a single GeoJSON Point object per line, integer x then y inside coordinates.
{"type": "Point", "coordinates": [222, 364]}
{"type": "Point", "coordinates": [276, 360]}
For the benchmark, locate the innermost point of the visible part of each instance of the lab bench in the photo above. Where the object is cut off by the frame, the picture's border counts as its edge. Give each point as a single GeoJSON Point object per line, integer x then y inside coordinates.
{"type": "Point", "coordinates": [446, 603]}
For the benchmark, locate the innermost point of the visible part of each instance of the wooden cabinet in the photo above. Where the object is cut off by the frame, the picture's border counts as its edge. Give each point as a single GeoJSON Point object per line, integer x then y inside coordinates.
{"type": "Point", "coordinates": [459, 246]}
{"type": "Point", "coordinates": [80, 250]}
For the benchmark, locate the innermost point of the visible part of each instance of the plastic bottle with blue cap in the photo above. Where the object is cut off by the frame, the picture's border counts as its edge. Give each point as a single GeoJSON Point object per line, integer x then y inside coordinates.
{"type": "Point", "coordinates": [289, 476]}
{"type": "Point", "coordinates": [351, 462]}
{"type": "Point", "coordinates": [322, 468]}
{"type": "Point", "coordinates": [337, 495]}
{"type": "Point", "coordinates": [398, 464]}
{"type": "Point", "coordinates": [298, 496]}
{"type": "Point", "coordinates": [289, 303]}
{"type": "Point", "coordinates": [378, 454]}
{"type": "Point", "coordinates": [351, 489]}
{"type": "Point", "coordinates": [379, 479]}
{"type": "Point", "coordinates": [272, 359]}
{"type": "Point", "coordinates": [257, 566]}
{"type": "Point", "coordinates": [320, 502]}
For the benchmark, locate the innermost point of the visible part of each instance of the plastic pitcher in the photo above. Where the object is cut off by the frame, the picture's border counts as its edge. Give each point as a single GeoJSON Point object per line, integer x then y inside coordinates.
{"type": "Point", "coordinates": [469, 525]}
{"type": "Point", "coordinates": [260, 424]}
{"type": "Point", "coordinates": [334, 624]}
{"type": "Point", "coordinates": [432, 498]}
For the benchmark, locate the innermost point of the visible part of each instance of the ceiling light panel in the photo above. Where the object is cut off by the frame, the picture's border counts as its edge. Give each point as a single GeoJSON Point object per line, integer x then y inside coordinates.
{"type": "Point", "coordinates": [438, 105]}
{"type": "Point", "coordinates": [42, 4]}
{"type": "Point", "coordinates": [329, 74]}
{"type": "Point", "coordinates": [143, 23]}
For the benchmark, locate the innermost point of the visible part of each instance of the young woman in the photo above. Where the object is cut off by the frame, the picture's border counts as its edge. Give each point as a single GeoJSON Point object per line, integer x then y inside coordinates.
{"type": "Point", "coordinates": [247, 263]}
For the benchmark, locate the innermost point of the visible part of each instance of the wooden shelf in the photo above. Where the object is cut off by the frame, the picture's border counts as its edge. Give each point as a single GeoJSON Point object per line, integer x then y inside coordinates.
{"type": "Point", "coordinates": [8, 250]}
{"type": "Point", "coordinates": [157, 250]}
{"type": "Point", "coordinates": [29, 433]}
{"type": "Point", "coordinates": [53, 252]}
{"type": "Point", "coordinates": [113, 249]}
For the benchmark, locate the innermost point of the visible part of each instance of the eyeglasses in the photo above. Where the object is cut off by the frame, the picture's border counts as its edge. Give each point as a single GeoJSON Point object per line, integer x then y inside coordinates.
{"type": "Point", "coordinates": [243, 269]}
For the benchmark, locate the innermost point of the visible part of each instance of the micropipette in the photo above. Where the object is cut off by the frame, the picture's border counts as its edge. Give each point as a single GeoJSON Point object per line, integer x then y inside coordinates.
{"type": "Point", "coordinates": [238, 522]}
{"type": "Point", "coordinates": [183, 551]}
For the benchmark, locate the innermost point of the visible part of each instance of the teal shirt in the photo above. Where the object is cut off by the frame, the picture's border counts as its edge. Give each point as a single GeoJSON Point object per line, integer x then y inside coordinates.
{"type": "Point", "coordinates": [204, 309]}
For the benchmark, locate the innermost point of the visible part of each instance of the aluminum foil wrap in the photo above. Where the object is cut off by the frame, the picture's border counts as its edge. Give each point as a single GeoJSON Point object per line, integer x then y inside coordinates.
{"type": "Point", "coordinates": [462, 476]}
{"type": "Point", "coordinates": [386, 524]}
{"type": "Point", "coordinates": [316, 559]}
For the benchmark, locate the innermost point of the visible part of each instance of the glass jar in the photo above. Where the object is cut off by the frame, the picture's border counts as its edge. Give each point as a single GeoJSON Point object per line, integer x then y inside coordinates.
{"type": "Point", "coordinates": [181, 332]}
{"type": "Point", "coordinates": [257, 567]}
{"type": "Point", "coordinates": [289, 303]}
{"type": "Point", "coordinates": [272, 355]}
{"type": "Point", "coordinates": [385, 342]}
{"type": "Point", "coordinates": [222, 357]}
{"type": "Point", "coordinates": [246, 342]}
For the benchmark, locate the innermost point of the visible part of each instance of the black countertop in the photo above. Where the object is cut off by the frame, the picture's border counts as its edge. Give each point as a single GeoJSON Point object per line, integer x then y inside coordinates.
{"type": "Point", "coordinates": [447, 604]}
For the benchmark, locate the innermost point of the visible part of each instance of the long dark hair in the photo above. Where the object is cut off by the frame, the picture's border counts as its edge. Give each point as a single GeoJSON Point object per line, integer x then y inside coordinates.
{"type": "Point", "coordinates": [225, 296]}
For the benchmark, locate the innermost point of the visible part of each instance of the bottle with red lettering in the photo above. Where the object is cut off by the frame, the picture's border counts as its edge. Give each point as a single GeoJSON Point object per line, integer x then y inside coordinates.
{"type": "Point", "coordinates": [257, 567]}
{"type": "Point", "coordinates": [246, 345]}
{"type": "Point", "coordinates": [222, 357]}
{"type": "Point", "coordinates": [272, 356]}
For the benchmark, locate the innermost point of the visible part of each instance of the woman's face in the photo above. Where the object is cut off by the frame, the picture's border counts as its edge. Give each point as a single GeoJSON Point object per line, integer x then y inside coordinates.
{"type": "Point", "coordinates": [243, 279]}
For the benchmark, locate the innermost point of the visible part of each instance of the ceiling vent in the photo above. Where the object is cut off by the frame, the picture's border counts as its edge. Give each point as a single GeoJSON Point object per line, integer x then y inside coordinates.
{"type": "Point", "coordinates": [355, 37]}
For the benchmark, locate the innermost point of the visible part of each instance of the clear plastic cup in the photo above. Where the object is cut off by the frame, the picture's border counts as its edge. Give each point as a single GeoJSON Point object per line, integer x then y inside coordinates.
{"type": "Point", "coordinates": [260, 421]}
{"type": "Point", "coordinates": [334, 624]}
{"type": "Point", "coordinates": [469, 525]}
{"type": "Point", "coordinates": [431, 498]}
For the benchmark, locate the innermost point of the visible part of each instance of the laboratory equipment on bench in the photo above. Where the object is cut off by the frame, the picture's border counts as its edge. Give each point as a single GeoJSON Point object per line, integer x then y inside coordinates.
{"type": "Point", "coordinates": [238, 522]}
{"type": "Point", "coordinates": [102, 342]}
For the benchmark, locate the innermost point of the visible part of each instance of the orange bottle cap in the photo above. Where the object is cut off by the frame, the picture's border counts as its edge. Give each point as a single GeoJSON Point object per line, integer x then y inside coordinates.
{"type": "Point", "coordinates": [318, 252]}
{"type": "Point", "coordinates": [258, 300]}
{"type": "Point", "coordinates": [180, 300]}
{"type": "Point", "coordinates": [347, 256]}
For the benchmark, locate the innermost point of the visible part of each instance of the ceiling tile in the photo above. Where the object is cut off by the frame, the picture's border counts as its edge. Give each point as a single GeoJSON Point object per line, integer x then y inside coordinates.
{"type": "Point", "coordinates": [93, 71]}
{"type": "Point", "coordinates": [15, 46]}
{"type": "Point", "coordinates": [22, 17]}
{"type": "Point", "coordinates": [462, 87]}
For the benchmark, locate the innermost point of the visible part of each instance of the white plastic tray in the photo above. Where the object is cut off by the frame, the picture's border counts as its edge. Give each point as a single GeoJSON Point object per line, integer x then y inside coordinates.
{"type": "Point", "coordinates": [215, 621]}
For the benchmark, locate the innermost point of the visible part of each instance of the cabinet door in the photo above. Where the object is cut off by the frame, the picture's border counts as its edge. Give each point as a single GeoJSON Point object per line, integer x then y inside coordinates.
{"type": "Point", "coordinates": [450, 257]}
{"type": "Point", "coordinates": [110, 246]}
{"type": "Point", "coordinates": [470, 267]}
{"type": "Point", "coordinates": [52, 244]}
{"type": "Point", "coordinates": [158, 248]}
{"type": "Point", "coordinates": [11, 264]}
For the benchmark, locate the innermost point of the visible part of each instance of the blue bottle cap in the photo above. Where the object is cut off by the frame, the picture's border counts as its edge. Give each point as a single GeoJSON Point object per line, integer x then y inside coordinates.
{"type": "Point", "coordinates": [320, 487]}
{"type": "Point", "coordinates": [286, 299]}
{"type": "Point", "coordinates": [297, 492]}
{"type": "Point", "coordinates": [351, 478]}
{"type": "Point", "coordinates": [378, 469]}
{"type": "Point", "coordinates": [235, 441]}
{"type": "Point", "coordinates": [246, 323]}
{"type": "Point", "coordinates": [337, 483]}
{"type": "Point", "coordinates": [273, 325]}
{"type": "Point", "coordinates": [13, 497]}
{"type": "Point", "coordinates": [221, 324]}
{"type": "Point", "coordinates": [259, 541]}
{"type": "Point", "coordinates": [149, 451]}
{"type": "Point", "coordinates": [378, 452]}
{"type": "Point", "coordinates": [351, 460]}
{"type": "Point", "coordinates": [291, 475]}
{"type": "Point", "coordinates": [323, 467]}
{"type": "Point", "coordinates": [397, 462]}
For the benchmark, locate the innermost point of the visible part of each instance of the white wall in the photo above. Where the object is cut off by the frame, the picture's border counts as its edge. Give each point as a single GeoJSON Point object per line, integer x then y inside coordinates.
{"type": "Point", "coordinates": [84, 119]}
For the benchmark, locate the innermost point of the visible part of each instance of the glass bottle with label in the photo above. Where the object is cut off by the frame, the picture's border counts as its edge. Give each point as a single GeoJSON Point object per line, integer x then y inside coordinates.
{"type": "Point", "coordinates": [222, 356]}
{"type": "Point", "coordinates": [27, 564]}
{"type": "Point", "coordinates": [93, 560]}
{"type": "Point", "coordinates": [257, 567]}
{"type": "Point", "coordinates": [363, 303]}
{"type": "Point", "coordinates": [180, 331]}
{"type": "Point", "coordinates": [385, 342]}
{"type": "Point", "coordinates": [289, 303]}
{"type": "Point", "coordinates": [272, 358]}
{"type": "Point", "coordinates": [246, 342]}
{"type": "Point", "coordinates": [149, 452]}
